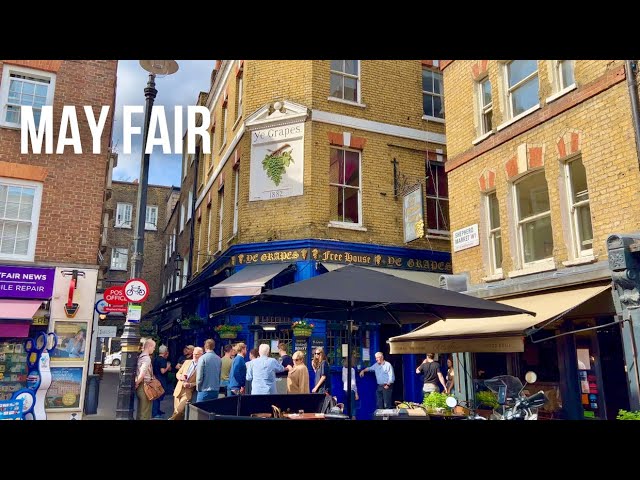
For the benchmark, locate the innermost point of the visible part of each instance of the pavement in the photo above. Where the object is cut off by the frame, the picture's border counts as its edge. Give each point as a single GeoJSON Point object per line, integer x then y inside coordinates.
{"type": "Point", "coordinates": [107, 399]}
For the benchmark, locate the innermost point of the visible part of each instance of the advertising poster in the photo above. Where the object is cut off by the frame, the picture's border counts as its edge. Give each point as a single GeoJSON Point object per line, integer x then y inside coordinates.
{"type": "Point", "coordinates": [72, 341]}
{"type": "Point", "coordinates": [66, 384]}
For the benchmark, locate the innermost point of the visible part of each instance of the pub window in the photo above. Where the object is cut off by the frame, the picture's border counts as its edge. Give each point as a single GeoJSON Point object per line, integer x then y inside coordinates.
{"type": "Point", "coordinates": [534, 218]}
{"type": "Point", "coordinates": [345, 80]}
{"type": "Point", "coordinates": [270, 333]}
{"type": "Point", "coordinates": [437, 199]}
{"type": "Point", "coordinates": [336, 337]}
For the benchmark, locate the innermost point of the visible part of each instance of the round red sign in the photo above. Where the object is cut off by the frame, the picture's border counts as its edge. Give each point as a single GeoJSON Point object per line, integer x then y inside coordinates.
{"type": "Point", "coordinates": [136, 290]}
{"type": "Point", "coordinates": [115, 295]}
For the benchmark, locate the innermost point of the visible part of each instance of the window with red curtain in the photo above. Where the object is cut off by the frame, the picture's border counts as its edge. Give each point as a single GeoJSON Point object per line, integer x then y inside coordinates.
{"type": "Point", "coordinates": [344, 185]}
{"type": "Point", "coordinates": [437, 199]}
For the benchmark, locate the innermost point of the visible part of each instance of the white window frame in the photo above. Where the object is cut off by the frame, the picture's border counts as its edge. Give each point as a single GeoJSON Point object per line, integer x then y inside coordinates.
{"type": "Point", "coordinates": [7, 70]}
{"type": "Point", "coordinates": [509, 90]}
{"type": "Point", "coordinates": [173, 240]}
{"type": "Point", "coordinates": [35, 219]}
{"type": "Point", "coordinates": [185, 163]}
{"type": "Point", "coordinates": [164, 290]}
{"type": "Point", "coordinates": [235, 202]}
{"type": "Point", "coordinates": [166, 253]}
{"type": "Point", "coordinates": [349, 75]}
{"type": "Point", "coordinates": [148, 225]}
{"type": "Point", "coordinates": [190, 205]}
{"type": "Point", "coordinates": [117, 252]}
{"type": "Point", "coordinates": [484, 109]}
{"type": "Point", "coordinates": [185, 269]}
{"type": "Point", "coordinates": [559, 76]}
{"type": "Point", "coordinates": [225, 111]}
{"type": "Point", "coordinates": [338, 223]}
{"type": "Point", "coordinates": [209, 230]}
{"type": "Point", "coordinates": [437, 198]}
{"type": "Point", "coordinates": [121, 213]}
{"type": "Point", "coordinates": [573, 211]}
{"type": "Point", "coordinates": [521, 222]}
{"type": "Point", "coordinates": [239, 87]}
{"type": "Point", "coordinates": [220, 215]}
{"type": "Point", "coordinates": [492, 234]}
{"type": "Point", "coordinates": [182, 222]}
{"type": "Point", "coordinates": [433, 94]}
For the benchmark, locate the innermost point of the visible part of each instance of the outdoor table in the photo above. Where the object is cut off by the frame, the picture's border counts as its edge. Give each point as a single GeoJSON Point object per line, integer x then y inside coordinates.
{"type": "Point", "coordinates": [304, 416]}
{"type": "Point", "coordinates": [446, 416]}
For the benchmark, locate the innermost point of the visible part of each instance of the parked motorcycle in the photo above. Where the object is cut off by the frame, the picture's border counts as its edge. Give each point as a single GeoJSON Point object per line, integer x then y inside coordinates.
{"type": "Point", "coordinates": [514, 405]}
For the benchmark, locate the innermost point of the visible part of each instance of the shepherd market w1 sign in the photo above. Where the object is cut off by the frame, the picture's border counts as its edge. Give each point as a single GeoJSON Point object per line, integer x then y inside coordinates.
{"type": "Point", "coordinates": [466, 238]}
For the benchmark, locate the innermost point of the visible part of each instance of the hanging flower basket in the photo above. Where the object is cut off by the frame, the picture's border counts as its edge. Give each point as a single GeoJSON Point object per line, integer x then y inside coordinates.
{"type": "Point", "coordinates": [302, 329]}
{"type": "Point", "coordinates": [228, 331]}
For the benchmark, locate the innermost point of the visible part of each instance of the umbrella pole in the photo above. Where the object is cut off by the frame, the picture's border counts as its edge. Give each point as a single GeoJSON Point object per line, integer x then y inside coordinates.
{"type": "Point", "coordinates": [349, 336]}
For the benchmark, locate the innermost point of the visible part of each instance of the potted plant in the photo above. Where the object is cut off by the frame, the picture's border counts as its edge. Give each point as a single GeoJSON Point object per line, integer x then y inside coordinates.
{"type": "Point", "coordinates": [625, 415]}
{"type": "Point", "coordinates": [486, 402]}
{"type": "Point", "coordinates": [435, 401]}
{"type": "Point", "coordinates": [302, 328]}
{"type": "Point", "coordinates": [227, 330]}
{"type": "Point", "coordinates": [191, 321]}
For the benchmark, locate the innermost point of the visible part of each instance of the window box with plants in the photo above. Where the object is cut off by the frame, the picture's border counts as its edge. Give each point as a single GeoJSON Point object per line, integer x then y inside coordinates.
{"type": "Point", "coordinates": [191, 322]}
{"type": "Point", "coordinates": [302, 328]}
{"type": "Point", "coordinates": [227, 330]}
{"type": "Point", "coordinates": [486, 402]}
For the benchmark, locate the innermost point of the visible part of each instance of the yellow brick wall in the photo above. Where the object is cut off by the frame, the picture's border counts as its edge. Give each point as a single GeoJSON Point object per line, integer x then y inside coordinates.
{"type": "Point", "coordinates": [392, 91]}
{"type": "Point", "coordinates": [608, 153]}
{"type": "Point", "coordinates": [461, 102]}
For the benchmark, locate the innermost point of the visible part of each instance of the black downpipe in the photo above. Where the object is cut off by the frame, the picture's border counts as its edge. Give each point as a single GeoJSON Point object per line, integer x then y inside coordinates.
{"type": "Point", "coordinates": [630, 70]}
{"type": "Point", "coordinates": [194, 197]}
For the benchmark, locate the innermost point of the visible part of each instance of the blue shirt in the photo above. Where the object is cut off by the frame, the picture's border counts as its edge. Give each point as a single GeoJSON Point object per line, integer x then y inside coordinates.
{"type": "Point", "coordinates": [384, 373]}
{"type": "Point", "coordinates": [238, 373]}
{"type": "Point", "coordinates": [208, 372]}
{"type": "Point", "coordinates": [262, 375]}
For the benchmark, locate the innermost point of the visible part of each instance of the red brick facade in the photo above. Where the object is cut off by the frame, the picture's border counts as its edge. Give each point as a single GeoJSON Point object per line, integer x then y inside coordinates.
{"type": "Point", "coordinates": [74, 185]}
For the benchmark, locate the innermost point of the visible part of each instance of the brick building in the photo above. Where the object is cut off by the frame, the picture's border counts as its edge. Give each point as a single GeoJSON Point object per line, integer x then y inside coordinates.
{"type": "Point", "coordinates": [118, 254]}
{"type": "Point", "coordinates": [543, 154]}
{"type": "Point", "coordinates": [51, 209]}
{"type": "Point", "coordinates": [310, 165]}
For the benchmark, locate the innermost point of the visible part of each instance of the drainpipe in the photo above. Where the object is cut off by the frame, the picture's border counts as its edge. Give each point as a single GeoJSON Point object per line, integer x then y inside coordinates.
{"type": "Point", "coordinates": [194, 197]}
{"type": "Point", "coordinates": [630, 69]}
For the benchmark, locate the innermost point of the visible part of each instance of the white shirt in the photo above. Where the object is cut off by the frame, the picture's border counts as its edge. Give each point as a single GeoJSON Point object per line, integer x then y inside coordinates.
{"type": "Point", "coordinates": [190, 370]}
{"type": "Point", "coordinates": [353, 379]}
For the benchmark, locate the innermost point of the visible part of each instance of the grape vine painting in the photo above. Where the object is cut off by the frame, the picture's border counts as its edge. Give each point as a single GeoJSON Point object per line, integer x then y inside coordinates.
{"type": "Point", "coordinates": [276, 162]}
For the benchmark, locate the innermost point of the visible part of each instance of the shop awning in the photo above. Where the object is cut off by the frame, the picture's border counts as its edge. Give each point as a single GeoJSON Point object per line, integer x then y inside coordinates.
{"type": "Point", "coordinates": [493, 334]}
{"type": "Point", "coordinates": [428, 278]}
{"type": "Point", "coordinates": [16, 316]}
{"type": "Point", "coordinates": [249, 281]}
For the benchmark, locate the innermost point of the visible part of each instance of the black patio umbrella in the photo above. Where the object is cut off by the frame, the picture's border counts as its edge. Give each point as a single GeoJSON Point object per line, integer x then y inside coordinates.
{"type": "Point", "coordinates": [356, 294]}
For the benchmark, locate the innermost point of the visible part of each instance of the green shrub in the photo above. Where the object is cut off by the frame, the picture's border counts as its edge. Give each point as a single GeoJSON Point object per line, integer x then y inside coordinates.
{"type": "Point", "coordinates": [625, 415]}
{"type": "Point", "coordinates": [487, 399]}
{"type": "Point", "coordinates": [435, 400]}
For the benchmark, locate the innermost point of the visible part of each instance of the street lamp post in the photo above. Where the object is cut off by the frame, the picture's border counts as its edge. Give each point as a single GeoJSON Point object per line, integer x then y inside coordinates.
{"type": "Point", "coordinates": [130, 339]}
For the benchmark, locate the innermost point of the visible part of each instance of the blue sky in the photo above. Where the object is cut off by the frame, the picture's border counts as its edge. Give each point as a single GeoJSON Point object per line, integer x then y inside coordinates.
{"type": "Point", "coordinates": [181, 88]}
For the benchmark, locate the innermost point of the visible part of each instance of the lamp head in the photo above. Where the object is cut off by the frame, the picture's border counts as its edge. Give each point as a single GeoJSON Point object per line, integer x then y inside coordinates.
{"type": "Point", "coordinates": [160, 67]}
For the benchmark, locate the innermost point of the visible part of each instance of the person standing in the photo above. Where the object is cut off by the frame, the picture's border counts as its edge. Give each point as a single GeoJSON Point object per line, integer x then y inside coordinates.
{"type": "Point", "coordinates": [186, 384]}
{"type": "Point", "coordinates": [227, 358]}
{"type": "Point", "coordinates": [354, 389]}
{"type": "Point", "coordinates": [208, 373]}
{"type": "Point", "coordinates": [262, 373]}
{"type": "Point", "coordinates": [253, 354]}
{"type": "Point", "coordinates": [161, 369]}
{"type": "Point", "coordinates": [187, 354]}
{"type": "Point", "coordinates": [451, 381]}
{"type": "Point", "coordinates": [384, 378]}
{"type": "Point", "coordinates": [285, 360]}
{"type": "Point", "coordinates": [432, 374]}
{"type": "Point", "coordinates": [144, 373]}
{"type": "Point", "coordinates": [298, 376]}
{"type": "Point", "coordinates": [321, 369]}
{"type": "Point", "coordinates": [238, 373]}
